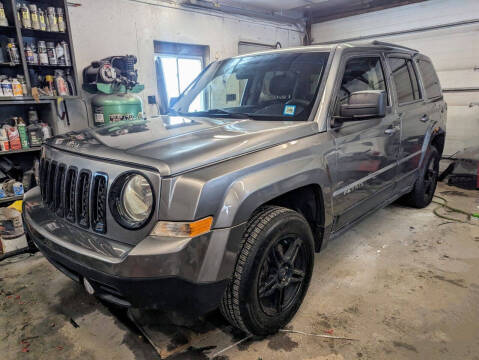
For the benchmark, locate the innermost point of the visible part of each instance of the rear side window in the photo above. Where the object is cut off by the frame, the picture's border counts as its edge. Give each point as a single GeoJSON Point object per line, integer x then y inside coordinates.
{"type": "Point", "coordinates": [362, 73]}
{"type": "Point", "coordinates": [405, 79]}
{"type": "Point", "coordinates": [430, 79]}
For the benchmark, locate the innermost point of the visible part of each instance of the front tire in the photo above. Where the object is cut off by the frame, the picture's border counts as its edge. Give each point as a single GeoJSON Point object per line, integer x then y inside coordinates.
{"type": "Point", "coordinates": [425, 186]}
{"type": "Point", "coordinates": [272, 272]}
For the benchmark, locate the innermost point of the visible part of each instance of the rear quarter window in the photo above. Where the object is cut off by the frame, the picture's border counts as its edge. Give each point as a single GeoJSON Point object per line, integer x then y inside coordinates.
{"type": "Point", "coordinates": [430, 79]}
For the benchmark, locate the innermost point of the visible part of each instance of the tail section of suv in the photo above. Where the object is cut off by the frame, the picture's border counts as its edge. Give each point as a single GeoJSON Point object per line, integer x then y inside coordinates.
{"type": "Point", "coordinates": [224, 201]}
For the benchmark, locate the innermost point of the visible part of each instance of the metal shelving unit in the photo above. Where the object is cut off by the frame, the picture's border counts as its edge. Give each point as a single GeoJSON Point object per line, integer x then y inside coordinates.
{"type": "Point", "coordinates": [46, 105]}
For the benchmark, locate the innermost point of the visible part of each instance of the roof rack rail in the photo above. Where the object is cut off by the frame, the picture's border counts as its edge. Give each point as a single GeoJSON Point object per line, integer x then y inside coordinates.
{"type": "Point", "coordinates": [382, 43]}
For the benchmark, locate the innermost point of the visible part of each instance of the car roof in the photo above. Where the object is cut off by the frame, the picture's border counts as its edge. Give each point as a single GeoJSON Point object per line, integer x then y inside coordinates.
{"type": "Point", "coordinates": [329, 47]}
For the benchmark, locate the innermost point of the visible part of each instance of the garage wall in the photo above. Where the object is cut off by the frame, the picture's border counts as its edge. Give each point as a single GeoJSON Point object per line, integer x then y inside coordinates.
{"type": "Point", "coordinates": [454, 51]}
{"type": "Point", "coordinates": [102, 28]}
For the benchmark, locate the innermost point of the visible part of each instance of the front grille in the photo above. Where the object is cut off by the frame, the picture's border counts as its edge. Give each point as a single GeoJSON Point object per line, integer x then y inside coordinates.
{"type": "Point", "coordinates": [75, 194]}
{"type": "Point", "coordinates": [83, 201]}
{"type": "Point", "coordinates": [98, 211]}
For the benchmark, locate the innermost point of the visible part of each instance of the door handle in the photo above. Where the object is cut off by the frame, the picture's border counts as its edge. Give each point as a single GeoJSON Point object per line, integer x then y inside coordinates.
{"type": "Point", "coordinates": [424, 118]}
{"type": "Point", "coordinates": [391, 131]}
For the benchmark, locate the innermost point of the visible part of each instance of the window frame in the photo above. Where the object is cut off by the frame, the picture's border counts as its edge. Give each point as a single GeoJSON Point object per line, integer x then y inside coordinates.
{"type": "Point", "coordinates": [423, 87]}
{"type": "Point", "coordinates": [345, 58]}
{"type": "Point", "coordinates": [406, 57]}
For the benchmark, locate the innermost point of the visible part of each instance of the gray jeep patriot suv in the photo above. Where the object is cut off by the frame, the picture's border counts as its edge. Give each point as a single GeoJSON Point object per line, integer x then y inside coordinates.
{"type": "Point", "coordinates": [259, 163]}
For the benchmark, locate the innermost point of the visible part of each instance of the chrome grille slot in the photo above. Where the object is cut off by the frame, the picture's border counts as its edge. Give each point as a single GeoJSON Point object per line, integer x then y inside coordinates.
{"type": "Point", "coordinates": [70, 194]}
{"type": "Point", "coordinates": [58, 197]}
{"type": "Point", "coordinates": [98, 202]}
{"type": "Point", "coordinates": [83, 201]}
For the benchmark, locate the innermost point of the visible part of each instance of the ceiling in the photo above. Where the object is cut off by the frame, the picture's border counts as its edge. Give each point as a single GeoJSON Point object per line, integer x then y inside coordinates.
{"type": "Point", "coordinates": [316, 10]}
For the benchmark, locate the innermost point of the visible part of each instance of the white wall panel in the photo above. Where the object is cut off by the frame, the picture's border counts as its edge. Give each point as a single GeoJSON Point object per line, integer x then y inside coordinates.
{"type": "Point", "coordinates": [454, 52]}
{"type": "Point", "coordinates": [102, 28]}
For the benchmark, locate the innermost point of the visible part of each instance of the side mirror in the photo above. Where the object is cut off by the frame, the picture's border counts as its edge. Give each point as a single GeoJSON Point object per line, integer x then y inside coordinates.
{"type": "Point", "coordinates": [173, 101]}
{"type": "Point", "coordinates": [364, 105]}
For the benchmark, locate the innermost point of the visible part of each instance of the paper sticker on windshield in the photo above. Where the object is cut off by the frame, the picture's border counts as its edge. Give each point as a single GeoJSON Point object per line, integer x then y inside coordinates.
{"type": "Point", "coordinates": [289, 110]}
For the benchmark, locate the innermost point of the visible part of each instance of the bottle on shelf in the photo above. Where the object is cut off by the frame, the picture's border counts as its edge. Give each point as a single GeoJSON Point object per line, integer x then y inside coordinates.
{"type": "Point", "coordinates": [13, 137]}
{"type": "Point", "coordinates": [22, 131]}
{"type": "Point", "coordinates": [29, 57]}
{"type": "Point", "coordinates": [3, 17]}
{"type": "Point", "coordinates": [23, 82]}
{"type": "Point", "coordinates": [70, 82]}
{"type": "Point", "coordinates": [52, 55]}
{"type": "Point", "coordinates": [17, 88]}
{"type": "Point", "coordinates": [42, 53]}
{"type": "Point", "coordinates": [35, 134]}
{"type": "Point", "coordinates": [13, 53]}
{"type": "Point", "coordinates": [61, 20]}
{"type": "Point", "coordinates": [41, 20]}
{"type": "Point", "coordinates": [52, 18]}
{"type": "Point", "coordinates": [60, 83]}
{"type": "Point", "coordinates": [66, 52]}
{"type": "Point", "coordinates": [7, 89]}
{"type": "Point", "coordinates": [4, 143]}
{"type": "Point", "coordinates": [33, 115]}
{"type": "Point", "coordinates": [34, 16]}
{"type": "Point", "coordinates": [26, 19]}
{"type": "Point", "coordinates": [60, 55]}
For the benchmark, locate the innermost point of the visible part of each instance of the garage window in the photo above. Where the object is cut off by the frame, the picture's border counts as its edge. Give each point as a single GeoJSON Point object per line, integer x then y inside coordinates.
{"type": "Point", "coordinates": [430, 79]}
{"type": "Point", "coordinates": [405, 80]}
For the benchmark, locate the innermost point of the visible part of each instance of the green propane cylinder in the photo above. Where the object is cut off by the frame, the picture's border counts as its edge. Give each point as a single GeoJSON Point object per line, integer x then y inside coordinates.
{"type": "Point", "coordinates": [110, 108]}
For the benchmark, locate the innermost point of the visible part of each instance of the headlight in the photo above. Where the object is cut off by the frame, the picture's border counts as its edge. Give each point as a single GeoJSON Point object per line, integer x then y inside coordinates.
{"type": "Point", "coordinates": [132, 200]}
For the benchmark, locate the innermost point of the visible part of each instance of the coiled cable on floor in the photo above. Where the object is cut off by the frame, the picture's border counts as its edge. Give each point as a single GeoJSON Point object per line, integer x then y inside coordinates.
{"type": "Point", "coordinates": [444, 204]}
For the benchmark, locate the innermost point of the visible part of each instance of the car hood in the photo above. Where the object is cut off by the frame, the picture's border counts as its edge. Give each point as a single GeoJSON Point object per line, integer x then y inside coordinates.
{"type": "Point", "coordinates": [175, 144]}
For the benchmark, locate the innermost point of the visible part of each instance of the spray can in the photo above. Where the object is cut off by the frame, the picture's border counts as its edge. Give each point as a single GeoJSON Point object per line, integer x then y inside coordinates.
{"type": "Point", "coordinates": [61, 20]}
{"type": "Point", "coordinates": [17, 88]}
{"type": "Point", "coordinates": [50, 85]}
{"type": "Point", "coordinates": [42, 53]}
{"type": "Point", "coordinates": [3, 18]}
{"type": "Point", "coordinates": [35, 53]}
{"type": "Point", "coordinates": [34, 16]}
{"type": "Point", "coordinates": [52, 18]}
{"type": "Point", "coordinates": [52, 56]}
{"type": "Point", "coordinates": [26, 19]}
{"type": "Point", "coordinates": [66, 51]}
{"type": "Point", "coordinates": [41, 20]}
{"type": "Point", "coordinates": [13, 51]}
{"type": "Point", "coordinates": [60, 55]}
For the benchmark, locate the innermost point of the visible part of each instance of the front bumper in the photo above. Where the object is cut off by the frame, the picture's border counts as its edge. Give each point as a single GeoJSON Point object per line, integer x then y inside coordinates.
{"type": "Point", "coordinates": [183, 274]}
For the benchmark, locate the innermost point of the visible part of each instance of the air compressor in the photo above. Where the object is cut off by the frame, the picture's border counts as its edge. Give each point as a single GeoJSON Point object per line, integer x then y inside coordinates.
{"type": "Point", "coordinates": [114, 81]}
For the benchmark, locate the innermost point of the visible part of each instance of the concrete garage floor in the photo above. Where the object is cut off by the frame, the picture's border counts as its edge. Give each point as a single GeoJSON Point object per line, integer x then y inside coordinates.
{"type": "Point", "coordinates": [404, 283]}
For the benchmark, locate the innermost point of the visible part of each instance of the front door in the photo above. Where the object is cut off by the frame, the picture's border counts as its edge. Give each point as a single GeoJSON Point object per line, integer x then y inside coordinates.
{"type": "Point", "coordinates": [366, 150]}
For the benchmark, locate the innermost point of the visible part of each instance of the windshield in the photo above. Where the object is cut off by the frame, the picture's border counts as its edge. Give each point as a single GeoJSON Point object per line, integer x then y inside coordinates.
{"type": "Point", "coordinates": [275, 86]}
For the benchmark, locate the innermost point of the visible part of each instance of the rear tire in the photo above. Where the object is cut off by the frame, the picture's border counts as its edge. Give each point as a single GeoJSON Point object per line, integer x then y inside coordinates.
{"type": "Point", "coordinates": [425, 186]}
{"type": "Point", "coordinates": [272, 272]}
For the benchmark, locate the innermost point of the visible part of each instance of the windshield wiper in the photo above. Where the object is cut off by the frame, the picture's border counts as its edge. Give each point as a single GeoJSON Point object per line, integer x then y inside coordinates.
{"type": "Point", "coordinates": [217, 112]}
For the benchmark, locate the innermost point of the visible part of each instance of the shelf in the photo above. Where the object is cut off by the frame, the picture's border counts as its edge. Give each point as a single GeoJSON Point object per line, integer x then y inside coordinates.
{"type": "Point", "coordinates": [9, 152]}
{"type": "Point", "coordinates": [31, 100]}
{"type": "Point", "coordinates": [7, 64]}
{"type": "Point", "coordinates": [44, 34]}
{"type": "Point", "coordinates": [49, 66]}
{"type": "Point", "coordinates": [7, 29]}
{"type": "Point", "coordinates": [11, 198]}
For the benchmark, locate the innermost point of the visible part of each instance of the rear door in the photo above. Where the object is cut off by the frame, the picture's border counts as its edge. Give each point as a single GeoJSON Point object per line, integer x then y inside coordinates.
{"type": "Point", "coordinates": [367, 150]}
{"type": "Point", "coordinates": [413, 114]}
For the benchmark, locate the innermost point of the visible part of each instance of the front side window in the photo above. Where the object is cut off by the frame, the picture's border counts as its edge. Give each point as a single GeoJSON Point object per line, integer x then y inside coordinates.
{"type": "Point", "coordinates": [360, 74]}
{"type": "Point", "coordinates": [430, 79]}
{"type": "Point", "coordinates": [275, 86]}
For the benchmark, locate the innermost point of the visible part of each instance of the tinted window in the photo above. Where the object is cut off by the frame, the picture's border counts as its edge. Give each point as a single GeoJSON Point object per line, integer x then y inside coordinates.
{"type": "Point", "coordinates": [360, 74]}
{"type": "Point", "coordinates": [430, 79]}
{"type": "Point", "coordinates": [402, 80]}
{"type": "Point", "coordinates": [415, 83]}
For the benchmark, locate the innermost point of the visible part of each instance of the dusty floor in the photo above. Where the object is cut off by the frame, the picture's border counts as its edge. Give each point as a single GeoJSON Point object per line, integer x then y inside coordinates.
{"type": "Point", "coordinates": [404, 284]}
